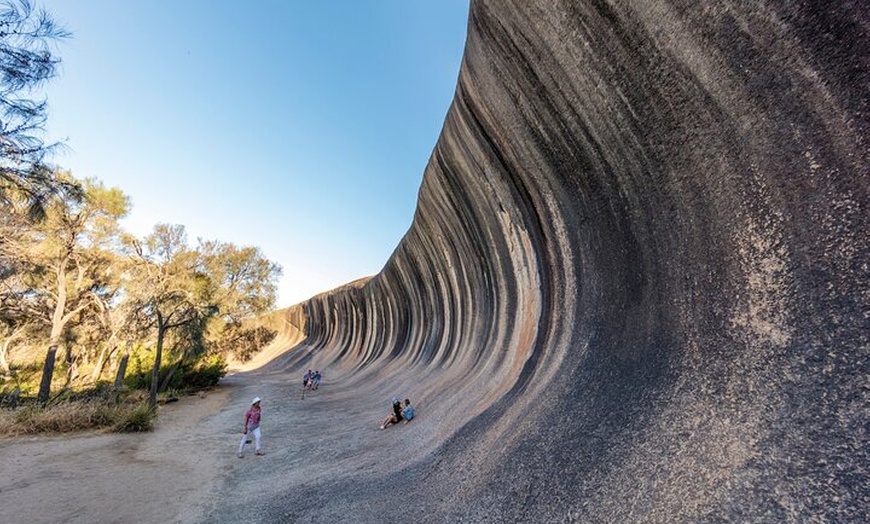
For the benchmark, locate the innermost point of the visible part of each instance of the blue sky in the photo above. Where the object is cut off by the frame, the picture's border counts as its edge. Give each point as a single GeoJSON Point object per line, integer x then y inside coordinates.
{"type": "Point", "coordinates": [301, 127]}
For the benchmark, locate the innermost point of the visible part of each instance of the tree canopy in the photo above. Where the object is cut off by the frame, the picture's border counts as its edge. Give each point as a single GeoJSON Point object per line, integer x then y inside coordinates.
{"type": "Point", "coordinates": [178, 289]}
{"type": "Point", "coordinates": [71, 278]}
{"type": "Point", "coordinates": [78, 281]}
{"type": "Point", "coordinates": [26, 64]}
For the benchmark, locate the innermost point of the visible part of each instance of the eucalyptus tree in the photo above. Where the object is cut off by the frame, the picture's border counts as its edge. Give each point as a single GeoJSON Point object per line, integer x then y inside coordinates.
{"type": "Point", "coordinates": [111, 329]}
{"type": "Point", "coordinates": [70, 254]}
{"type": "Point", "coordinates": [20, 321]}
{"type": "Point", "coordinates": [240, 285]}
{"type": "Point", "coordinates": [166, 288]}
{"type": "Point", "coordinates": [17, 328]}
{"type": "Point", "coordinates": [179, 291]}
{"type": "Point", "coordinates": [17, 311]}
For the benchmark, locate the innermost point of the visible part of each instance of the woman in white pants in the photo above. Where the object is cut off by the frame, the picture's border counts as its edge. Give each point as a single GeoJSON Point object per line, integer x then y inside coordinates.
{"type": "Point", "coordinates": [252, 424]}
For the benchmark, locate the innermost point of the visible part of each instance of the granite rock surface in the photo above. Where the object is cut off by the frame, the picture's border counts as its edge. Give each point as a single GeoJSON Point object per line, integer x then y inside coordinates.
{"type": "Point", "coordinates": [636, 284]}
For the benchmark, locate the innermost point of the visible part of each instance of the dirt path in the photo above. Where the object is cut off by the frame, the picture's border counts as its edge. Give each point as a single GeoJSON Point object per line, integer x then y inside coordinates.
{"type": "Point", "coordinates": [186, 470]}
{"type": "Point", "coordinates": [116, 478]}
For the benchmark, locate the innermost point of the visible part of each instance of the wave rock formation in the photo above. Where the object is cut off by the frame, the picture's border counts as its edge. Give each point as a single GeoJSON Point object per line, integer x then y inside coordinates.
{"type": "Point", "coordinates": [636, 283]}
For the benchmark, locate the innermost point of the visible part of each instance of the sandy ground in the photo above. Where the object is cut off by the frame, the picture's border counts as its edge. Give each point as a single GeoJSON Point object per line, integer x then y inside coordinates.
{"type": "Point", "coordinates": [187, 471]}
{"type": "Point", "coordinates": [177, 473]}
{"type": "Point", "coordinates": [117, 478]}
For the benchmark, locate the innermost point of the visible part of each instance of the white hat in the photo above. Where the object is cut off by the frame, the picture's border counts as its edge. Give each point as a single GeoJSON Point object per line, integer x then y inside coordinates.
{"type": "Point", "coordinates": [256, 399]}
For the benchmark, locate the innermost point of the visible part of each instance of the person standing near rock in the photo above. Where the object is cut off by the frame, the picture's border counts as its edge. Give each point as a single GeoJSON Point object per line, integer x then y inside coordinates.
{"type": "Point", "coordinates": [252, 424]}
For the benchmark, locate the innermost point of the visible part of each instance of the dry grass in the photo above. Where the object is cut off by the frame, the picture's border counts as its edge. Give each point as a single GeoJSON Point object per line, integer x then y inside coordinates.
{"type": "Point", "coordinates": [81, 415]}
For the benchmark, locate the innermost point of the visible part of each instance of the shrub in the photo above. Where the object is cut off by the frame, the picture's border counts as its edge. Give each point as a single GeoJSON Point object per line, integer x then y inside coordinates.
{"type": "Point", "coordinates": [140, 418]}
{"type": "Point", "coordinates": [68, 416]}
{"type": "Point", "coordinates": [65, 417]}
{"type": "Point", "coordinates": [24, 378]}
{"type": "Point", "coordinates": [189, 377]}
{"type": "Point", "coordinates": [138, 374]}
{"type": "Point", "coordinates": [205, 373]}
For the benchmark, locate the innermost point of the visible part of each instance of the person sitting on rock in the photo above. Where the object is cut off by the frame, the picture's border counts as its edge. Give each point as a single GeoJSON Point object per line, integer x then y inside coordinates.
{"type": "Point", "coordinates": [408, 411]}
{"type": "Point", "coordinates": [396, 416]}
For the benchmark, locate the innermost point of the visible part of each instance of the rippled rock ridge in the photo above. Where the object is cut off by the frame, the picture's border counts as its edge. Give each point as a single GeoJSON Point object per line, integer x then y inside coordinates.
{"type": "Point", "coordinates": [636, 283]}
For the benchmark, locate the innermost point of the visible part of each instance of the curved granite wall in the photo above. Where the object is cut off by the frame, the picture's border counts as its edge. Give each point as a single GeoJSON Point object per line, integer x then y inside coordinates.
{"type": "Point", "coordinates": [636, 284]}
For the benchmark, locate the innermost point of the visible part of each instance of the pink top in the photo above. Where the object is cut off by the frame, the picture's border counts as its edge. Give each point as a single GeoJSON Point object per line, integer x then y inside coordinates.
{"type": "Point", "coordinates": [252, 416]}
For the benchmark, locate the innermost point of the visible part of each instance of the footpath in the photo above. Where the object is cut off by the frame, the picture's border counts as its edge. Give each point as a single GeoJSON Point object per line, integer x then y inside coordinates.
{"type": "Point", "coordinates": [187, 471]}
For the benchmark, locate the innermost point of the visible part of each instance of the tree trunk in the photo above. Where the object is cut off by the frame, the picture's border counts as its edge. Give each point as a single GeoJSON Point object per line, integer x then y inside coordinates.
{"type": "Point", "coordinates": [5, 349]}
{"type": "Point", "coordinates": [4, 357]}
{"type": "Point", "coordinates": [15, 398]}
{"type": "Point", "coordinates": [169, 375]}
{"type": "Point", "coordinates": [122, 367]}
{"type": "Point", "coordinates": [54, 339]}
{"type": "Point", "coordinates": [98, 366]}
{"type": "Point", "coordinates": [101, 361]}
{"type": "Point", "coordinates": [68, 354]}
{"type": "Point", "coordinates": [155, 373]}
{"type": "Point", "coordinates": [72, 368]}
{"type": "Point", "coordinates": [122, 370]}
{"type": "Point", "coordinates": [47, 373]}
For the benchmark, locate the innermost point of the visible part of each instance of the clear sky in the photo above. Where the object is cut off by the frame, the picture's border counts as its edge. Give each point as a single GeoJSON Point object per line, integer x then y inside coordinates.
{"type": "Point", "coordinates": [301, 126]}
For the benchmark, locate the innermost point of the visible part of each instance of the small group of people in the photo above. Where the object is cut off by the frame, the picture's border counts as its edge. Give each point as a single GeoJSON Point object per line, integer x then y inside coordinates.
{"type": "Point", "coordinates": [311, 379]}
{"type": "Point", "coordinates": [400, 412]}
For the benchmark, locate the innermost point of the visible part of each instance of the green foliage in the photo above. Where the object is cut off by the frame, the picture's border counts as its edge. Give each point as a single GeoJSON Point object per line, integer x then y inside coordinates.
{"type": "Point", "coordinates": [76, 283]}
{"type": "Point", "coordinates": [178, 291]}
{"type": "Point", "coordinates": [206, 373]}
{"type": "Point", "coordinates": [242, 280]}
{"type": "Point", "coordinates": [196, 376]}
{"type": "Point", "coordinates": [188, 378]}
{"type": "Point", "coordinates": [189, 339]}
{"type": "Point", "coordinates": [138, 372]}
{"type": "Point", "coordinates": [24, 378]}
{"type": "Point", "coordinates": [252, 341]}
{"type": "Point", "coordinates": [26, 63]}
{"type": "Point", "coordinates": [243, 342]}
{"type": "Point", "coordinates": [66, 268]}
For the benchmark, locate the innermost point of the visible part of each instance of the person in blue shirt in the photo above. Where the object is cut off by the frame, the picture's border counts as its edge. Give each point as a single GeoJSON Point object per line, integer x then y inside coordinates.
{"type": "Point", "coordinates": [408, 411]}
